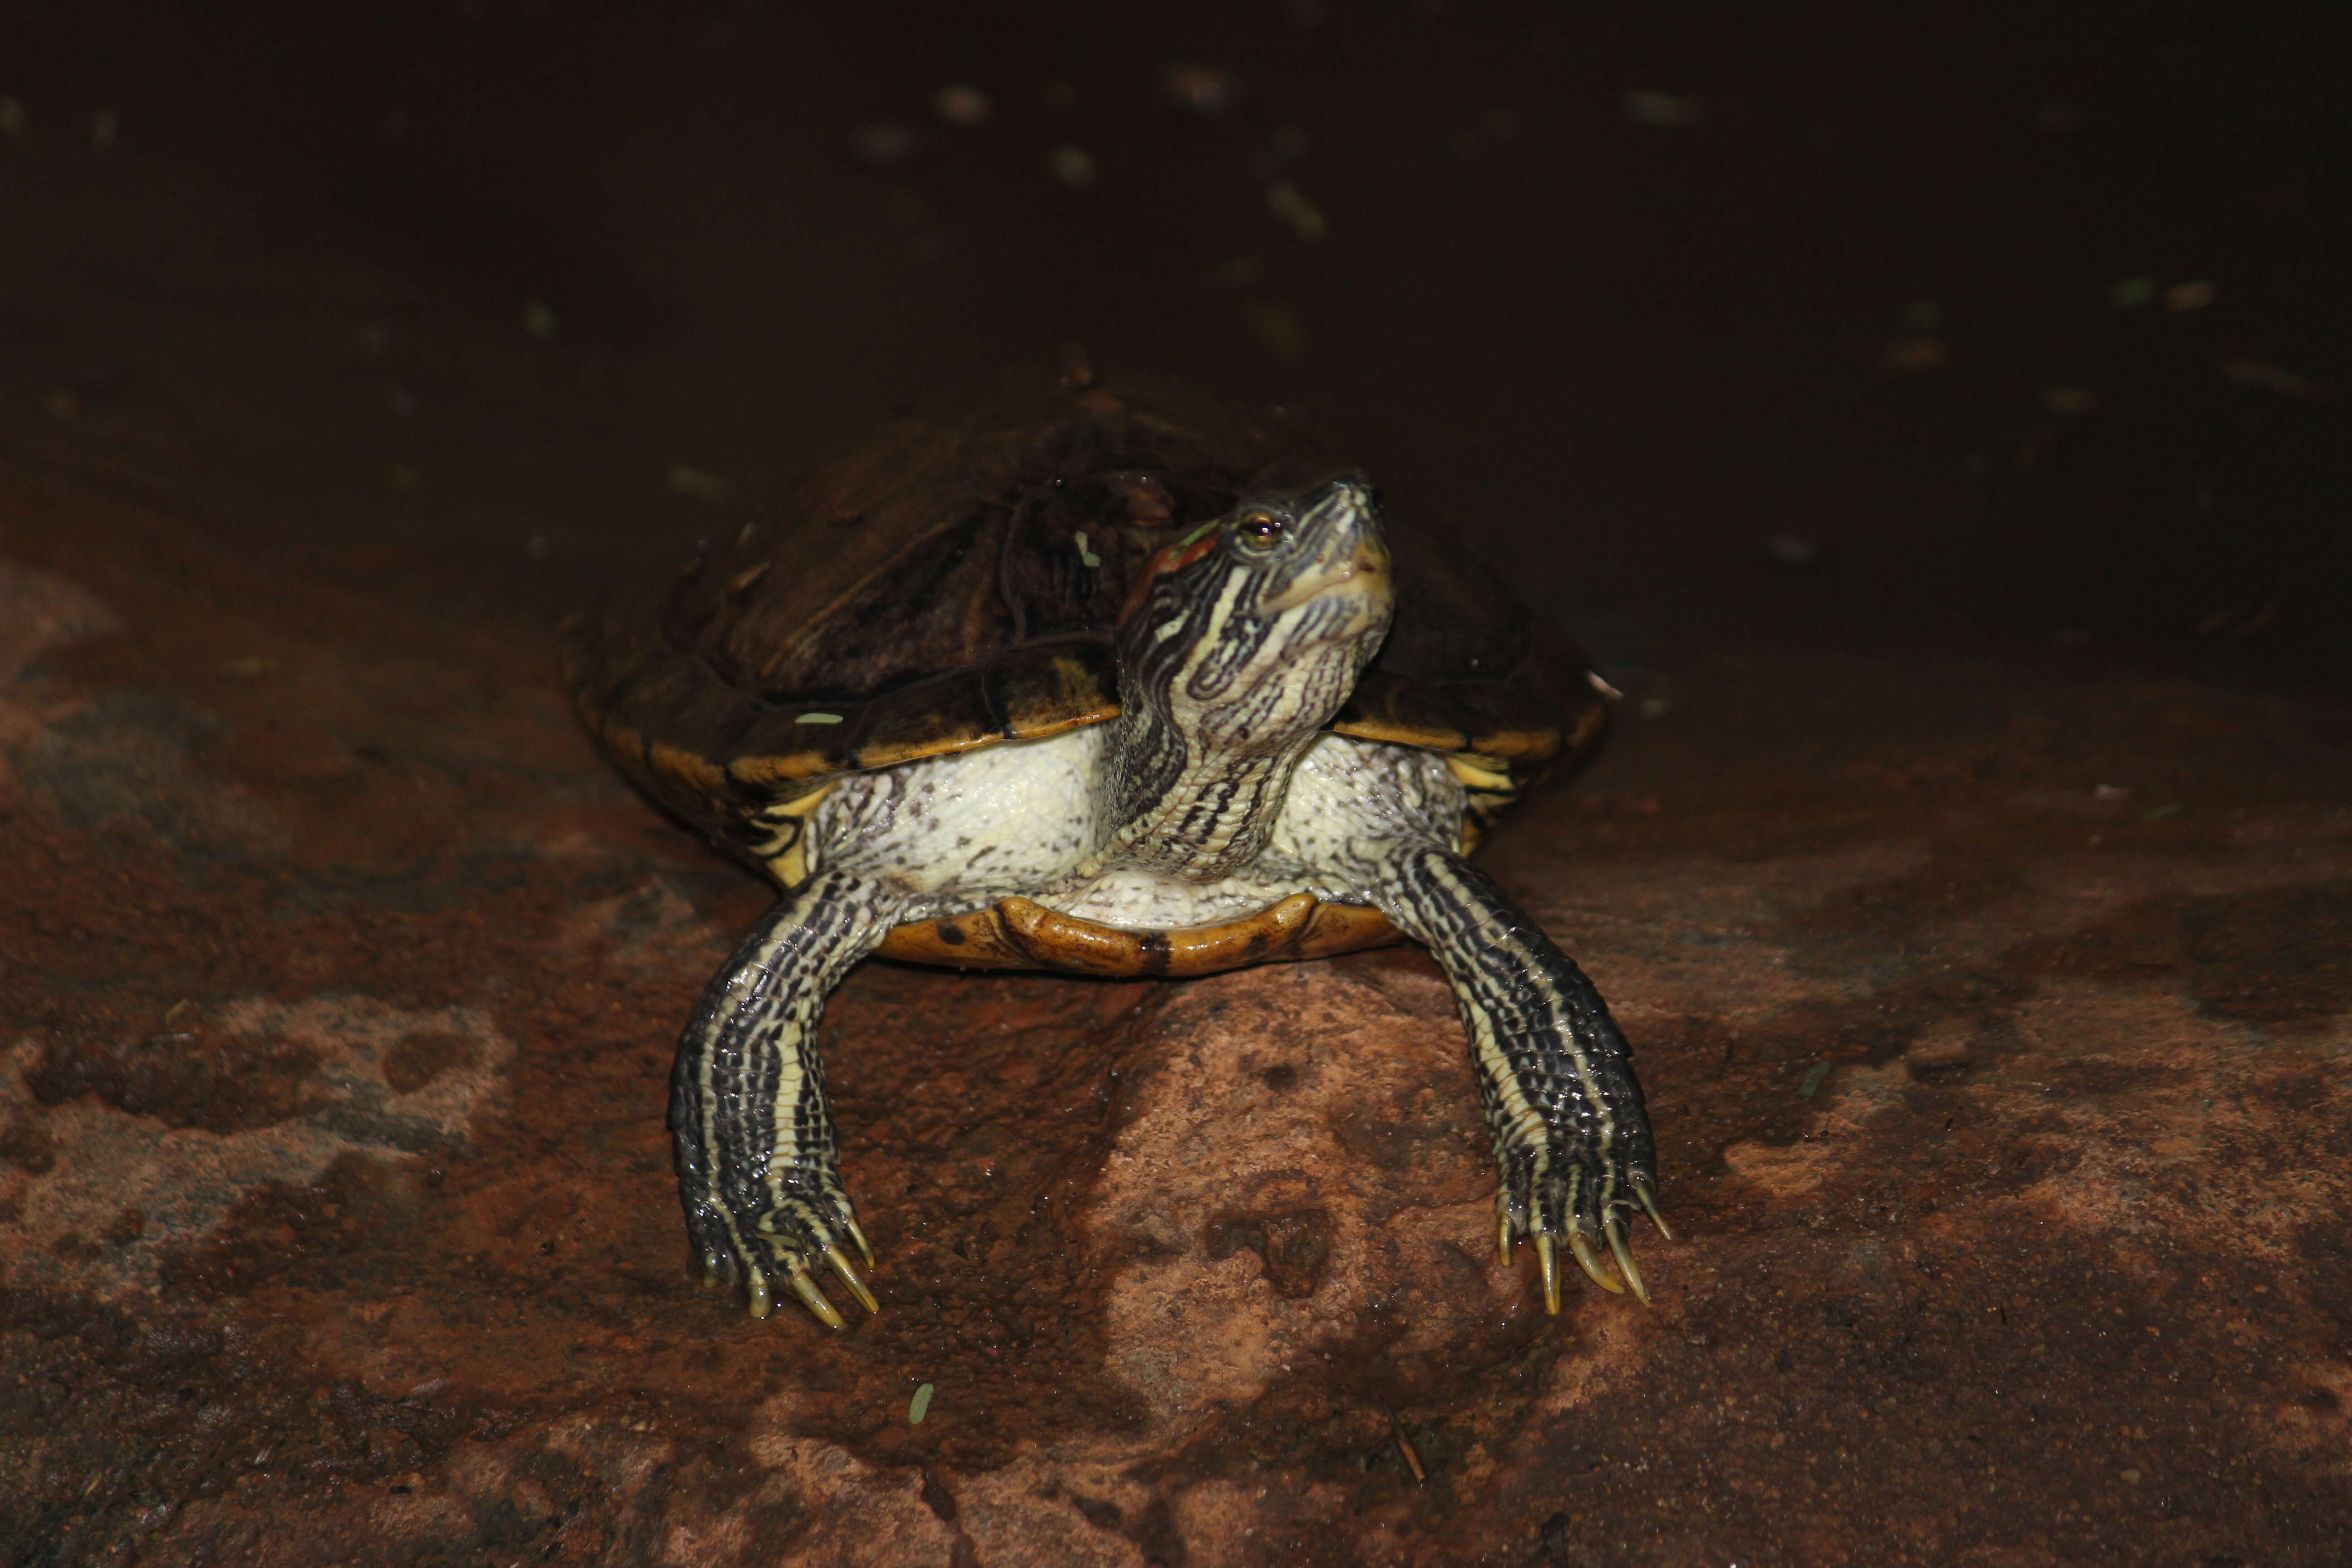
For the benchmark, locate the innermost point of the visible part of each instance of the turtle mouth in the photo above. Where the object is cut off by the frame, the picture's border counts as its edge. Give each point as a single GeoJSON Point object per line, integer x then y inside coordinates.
{"type": "Point", "coordinates": [1363, 571]}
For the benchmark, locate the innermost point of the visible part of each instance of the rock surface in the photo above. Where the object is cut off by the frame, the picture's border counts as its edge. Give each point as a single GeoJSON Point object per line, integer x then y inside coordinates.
{"type": "Point", "coordinates": [2002, 1118]}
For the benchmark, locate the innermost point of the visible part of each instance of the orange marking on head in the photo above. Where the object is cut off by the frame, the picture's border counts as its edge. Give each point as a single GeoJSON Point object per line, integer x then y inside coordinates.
{"type": "Point", "coordinates": [1175, 558]}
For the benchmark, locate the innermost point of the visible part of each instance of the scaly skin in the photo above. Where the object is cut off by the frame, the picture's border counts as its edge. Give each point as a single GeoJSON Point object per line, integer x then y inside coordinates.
{"type": "Point", "coordinates": [759, 1167]}
{"type": "Point", "coordinates": [1571, 1136]}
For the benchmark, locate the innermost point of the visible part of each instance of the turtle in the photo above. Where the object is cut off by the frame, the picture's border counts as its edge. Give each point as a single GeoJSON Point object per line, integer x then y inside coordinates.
{"type": "Point", "coordinates": [1102, 674]}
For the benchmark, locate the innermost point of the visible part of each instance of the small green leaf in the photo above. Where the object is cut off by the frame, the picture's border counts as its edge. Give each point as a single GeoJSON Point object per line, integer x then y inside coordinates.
{"type": "Point", "coordinates": [1813, 1080]}
{"type": "Point", "coordinates": [2169, 808]}
{"type": "Point", "coordinates": [920, 1406]}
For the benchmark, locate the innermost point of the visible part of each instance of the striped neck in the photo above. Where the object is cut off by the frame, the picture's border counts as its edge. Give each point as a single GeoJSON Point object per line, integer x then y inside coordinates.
{"type": "Point", "coordinates": [1188, 809]}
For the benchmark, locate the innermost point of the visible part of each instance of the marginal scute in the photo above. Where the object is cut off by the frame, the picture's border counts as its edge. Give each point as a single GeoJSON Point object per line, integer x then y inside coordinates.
{"type": "Point", "coordinates": [1516, 720]}
{"type": "Point", "coordinates": [1020, 933]}
{"type": "Point", "coordinates": [682, 764]}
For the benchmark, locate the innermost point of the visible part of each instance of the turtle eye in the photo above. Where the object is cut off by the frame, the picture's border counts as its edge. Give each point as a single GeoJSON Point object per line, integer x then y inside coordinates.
{"type": "Point", "coordinates": [1257, 528]}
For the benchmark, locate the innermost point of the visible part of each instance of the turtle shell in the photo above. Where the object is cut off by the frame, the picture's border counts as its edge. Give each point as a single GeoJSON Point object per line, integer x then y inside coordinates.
{"type": "Point", "coordinates": [955, 581]}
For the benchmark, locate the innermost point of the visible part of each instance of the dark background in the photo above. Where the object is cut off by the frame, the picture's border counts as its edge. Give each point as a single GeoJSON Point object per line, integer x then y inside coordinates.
{"type": "Point", "coordinates": [1934, 415]}
{"type": "Point", "coordinates": [1800, 326]}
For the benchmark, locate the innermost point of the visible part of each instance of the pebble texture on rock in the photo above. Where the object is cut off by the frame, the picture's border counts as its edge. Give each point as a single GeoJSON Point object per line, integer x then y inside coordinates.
{"type": "Point", "coordinates": [335, 1210]}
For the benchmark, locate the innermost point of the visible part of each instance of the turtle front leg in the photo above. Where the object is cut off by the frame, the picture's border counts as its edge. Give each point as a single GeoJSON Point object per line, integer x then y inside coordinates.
{"type": "Point", "coordinates": [1572, 1138]}
{"type": "Point", "coordinates": [758, 1166]}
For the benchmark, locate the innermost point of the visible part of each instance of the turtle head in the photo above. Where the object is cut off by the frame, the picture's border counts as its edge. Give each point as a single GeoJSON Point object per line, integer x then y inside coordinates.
{"type": "Point", "coordinates": [1249, 632]}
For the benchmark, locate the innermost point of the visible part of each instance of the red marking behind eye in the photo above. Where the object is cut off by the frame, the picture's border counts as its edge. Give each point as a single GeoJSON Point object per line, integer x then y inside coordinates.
{"type": "Point", "coordinates": [1175, 558]}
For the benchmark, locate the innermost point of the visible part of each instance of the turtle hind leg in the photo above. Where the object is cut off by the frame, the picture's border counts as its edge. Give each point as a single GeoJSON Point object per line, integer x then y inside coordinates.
{"type": "Point", "coordinates": [1571, 1135]}
{"type": "Point", "coordinates": [757, 1162]}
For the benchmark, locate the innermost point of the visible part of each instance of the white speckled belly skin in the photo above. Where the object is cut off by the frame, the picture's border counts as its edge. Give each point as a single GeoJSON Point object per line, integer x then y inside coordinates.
{"type": "Point", "coordinates": [960, 833]}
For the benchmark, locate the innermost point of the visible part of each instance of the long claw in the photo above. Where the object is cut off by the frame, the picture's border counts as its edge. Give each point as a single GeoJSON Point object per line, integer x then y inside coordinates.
{"type": "Point", "coordinates": [814, 1300]}
{"type": "Point", "coordinates": [1586, 1260]}
{"type": "Point", "coordinates": [858, 1237]}
{"type": "Point", "coordinates": [1551, 1274]}
{"type": "Point", "coordinates": [1503, 1242]}
{"type": "Point", "coordinates": [1626, 1257]}
{"type": "Point", "coordinates": [761, 1304]}
{"type": "Point", "coordinates": [1650, 1205]}
{"type": "Point", "coordinates": [840, 1261]}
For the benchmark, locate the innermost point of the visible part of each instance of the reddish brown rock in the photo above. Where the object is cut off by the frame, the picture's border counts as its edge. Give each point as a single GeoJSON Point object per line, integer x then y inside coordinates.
{"type": "Point", "coordinates": [337, 1222]}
